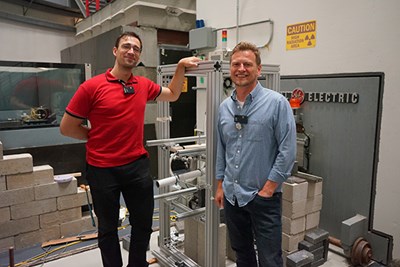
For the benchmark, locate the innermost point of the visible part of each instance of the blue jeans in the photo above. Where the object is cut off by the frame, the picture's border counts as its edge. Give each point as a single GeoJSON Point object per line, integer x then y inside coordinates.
{"type": "Point", "coordinates": [260, 222]}
{"type": "Point", "coordinates": [134, 182]}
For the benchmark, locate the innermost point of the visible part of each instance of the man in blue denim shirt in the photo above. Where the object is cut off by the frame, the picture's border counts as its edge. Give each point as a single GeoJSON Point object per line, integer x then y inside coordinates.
{"type": "Point", "coordinates": [255, 155]}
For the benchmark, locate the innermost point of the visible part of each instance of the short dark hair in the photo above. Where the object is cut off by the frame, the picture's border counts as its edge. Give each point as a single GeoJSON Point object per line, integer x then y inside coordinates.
{"type": "Point", "coordinates": [243, 46]}
{"type": "Point", "coordinates": [132, 34]}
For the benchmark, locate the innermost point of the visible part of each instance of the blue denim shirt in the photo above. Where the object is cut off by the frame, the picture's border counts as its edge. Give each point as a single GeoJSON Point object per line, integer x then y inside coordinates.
{"type": "Point", "coordinates": [263, 148]}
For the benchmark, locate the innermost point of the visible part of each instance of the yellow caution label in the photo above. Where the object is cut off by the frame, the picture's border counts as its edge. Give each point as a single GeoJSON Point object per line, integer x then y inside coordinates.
{"type": "Point", "coordinates": [301, 35]}
{"type": "Point", "coordinates": [185, 85]}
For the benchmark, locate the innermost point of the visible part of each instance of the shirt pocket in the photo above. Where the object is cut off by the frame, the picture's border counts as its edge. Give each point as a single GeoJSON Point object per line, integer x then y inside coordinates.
{"type": "Point", "coordinates": [255, 131]}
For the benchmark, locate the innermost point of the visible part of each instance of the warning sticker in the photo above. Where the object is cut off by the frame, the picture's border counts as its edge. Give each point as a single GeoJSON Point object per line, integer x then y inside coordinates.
{"type": "Point", "coordinates": [301, 35]}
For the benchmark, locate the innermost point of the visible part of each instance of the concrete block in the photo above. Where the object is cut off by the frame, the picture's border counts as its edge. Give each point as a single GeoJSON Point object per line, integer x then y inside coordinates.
{"type": "Point", "coordinates": [55, 189]}
{"type": "Point", "coordinates": [17, 196]}
{"type": "Point", "coordinates": [197, 242]}
{"type": "Point", "coordinates": [5, 214]}
{"type": "Point", "coordinates": [37, 237]}
{"type": "Point", "coordinates": [314, 188]}
{"type": "Point", "coordinates": [6, 243]}
{"type": "Point", "coordinates": [293, 226]}
{"type": "Point", "coordinates": [316, 236]}
{"type": "Point", "coordinates": [305, 245]}
{"type": "Point", "coordinates": [299, 259]}
{"type": "Point", "coordinates": [76, 227]}
{"type": "Point", "coordinates": [314, 204]}
{"type": "Point", "coordinates": [312, 220]}
{"type": "Point", "coordinates": [191, 234]}
{"type": "Point", "coordinates": [295, 209]}
{"type": "Point", "coordinates": [3, 186]}
{"type": "Point", "coordinates": [58, 217]}
{"type": "Point", "coordinates": [17, 163]}
{"type": "Point", "coordinates": [75, 200]}
{"type": "Point", "coordinates": [15, 227]}
{"type": "Point", "coordinates": [294, 191]}
{"type": "Point", "coordinates": [291, 242]}
{"type": "Point", "coordinates": [43, 174]}
{"type": "Point", "coordinates": [352, 229]}
{"type": "Point", "coordinates": [20, 180]}
{"type": "Point", "coordinates": [33, 208]}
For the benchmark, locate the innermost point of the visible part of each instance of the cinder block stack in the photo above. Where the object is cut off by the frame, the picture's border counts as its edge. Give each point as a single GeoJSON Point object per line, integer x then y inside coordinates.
{"type": "Point", "coordinates": [301, 205]}
{"type": "Point", "coordinates": [34, 208]}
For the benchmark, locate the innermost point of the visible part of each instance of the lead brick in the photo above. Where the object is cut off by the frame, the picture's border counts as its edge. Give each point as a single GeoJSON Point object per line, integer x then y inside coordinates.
{"type": "Point", "coordinates": [55, 189]}
{"type": "Point", "coordinates": [33, 208]}
{"type": "Point", "coordinates": [299, 259]}
{"type": "Point", "coordinates": [15, 227]}
{"type": "Point", "coordinates": [17, 163]}
{"type": "Point", "coordinates": [316, 235]}
{"type": "Point", "coordinates": [294, 191]}
{"type": "Point", "coordinates": [17, 196]}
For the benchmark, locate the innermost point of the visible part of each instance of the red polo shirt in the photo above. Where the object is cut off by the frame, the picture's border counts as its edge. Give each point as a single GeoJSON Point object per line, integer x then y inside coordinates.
{"type": "Point", "coordinates": [116, 118]}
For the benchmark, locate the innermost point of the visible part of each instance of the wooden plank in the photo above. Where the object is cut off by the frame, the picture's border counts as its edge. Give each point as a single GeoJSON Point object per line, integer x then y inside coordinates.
{"type": "Point", "coordinates": [69, 239]}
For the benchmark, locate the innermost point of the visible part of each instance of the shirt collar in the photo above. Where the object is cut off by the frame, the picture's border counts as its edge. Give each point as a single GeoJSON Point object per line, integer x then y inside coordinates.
{"type": "Point", "coordinates": [253, 94]}
{"type": "Point", "coordinates": [111, 78]}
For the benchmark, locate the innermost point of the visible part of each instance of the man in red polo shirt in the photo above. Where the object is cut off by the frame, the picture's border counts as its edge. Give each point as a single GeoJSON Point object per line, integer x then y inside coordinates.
{"type": "Point", "coordinates": [114, 104]}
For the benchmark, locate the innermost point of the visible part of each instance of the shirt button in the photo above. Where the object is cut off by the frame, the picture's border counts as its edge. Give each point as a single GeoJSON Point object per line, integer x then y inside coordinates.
{"type": "Point", "coordinates": [240, 136]}
{"type": "Point", "coordinates": [238, 151]}
{"type": "Point", "coordinates": [236, 181]}
{"type": "Point", "coordinates": [236, 166]}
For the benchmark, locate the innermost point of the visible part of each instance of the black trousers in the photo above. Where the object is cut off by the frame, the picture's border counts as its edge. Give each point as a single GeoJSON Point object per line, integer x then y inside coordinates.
{"type": "Point", "coordinates": [134, 182]}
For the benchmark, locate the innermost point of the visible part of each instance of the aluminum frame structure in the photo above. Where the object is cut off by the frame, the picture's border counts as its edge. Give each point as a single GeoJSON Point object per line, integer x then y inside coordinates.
{"type": "Point", "coordinates": [215, 72]}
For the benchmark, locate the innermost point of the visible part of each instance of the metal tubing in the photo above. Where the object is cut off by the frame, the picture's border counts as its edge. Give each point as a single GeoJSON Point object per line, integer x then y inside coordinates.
{"type": "Point", "coordinates": [173, 141]}
{"type": "Point", "coordinates": [192, 213]}
{"type": "Point", "coordinates": [173, 179]}
{"type": "Point", "coordinates": [11, 255]}
{"type": "Point", "coordinates": [167, 181]}
{"type": "Point", "coordinates": [176, 193]}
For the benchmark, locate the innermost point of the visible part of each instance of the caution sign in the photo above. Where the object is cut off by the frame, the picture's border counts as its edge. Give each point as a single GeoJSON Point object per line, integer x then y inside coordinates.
{"type": "Point", "coordinates": [301, 35]}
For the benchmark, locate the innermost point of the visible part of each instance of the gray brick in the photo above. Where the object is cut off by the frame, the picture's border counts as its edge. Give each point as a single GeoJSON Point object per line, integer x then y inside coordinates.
{"type": "Point", "coordinates": [71, 201]}
{"type": "Point", "coordinates": [316, 236]}
{"type": "Point", "coordinates": [37, 237]}
{"type": "Point", "coordinates": [17, 163]}
{"type": "Point", "coordinates": [314, 204]}
{"type": "Point", "coordinates": [293, 226]}
{"type": "Point", "coordinates": [58, 217]}
{"type": "Point", "coordinates": [5, 214]}
{"type": "Point", "coordinates": [299, 259]}
{"type": "Point", "coordinates": [55, 189]}
{"type": "Point", "coordinates": [20, 180]}
{"type": "Point", "coordinates": [33, 208]}
{"type": "Point", "coordinates": [295, 209]}
{"type": "Point", "coordinates": [17, 196]}
{"type": "Point", "coordinates": [15, 227]}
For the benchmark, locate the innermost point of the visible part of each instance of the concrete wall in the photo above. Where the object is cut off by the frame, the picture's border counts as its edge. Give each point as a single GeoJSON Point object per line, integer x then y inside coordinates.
{"type": "Point", "coordinates": [352, 36]}
{"type": "Point", "coordinates": [21, 42]}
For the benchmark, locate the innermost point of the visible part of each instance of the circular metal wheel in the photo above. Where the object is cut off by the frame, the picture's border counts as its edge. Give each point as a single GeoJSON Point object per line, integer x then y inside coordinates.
{"type": "Point", "coordinates": [361, 252]}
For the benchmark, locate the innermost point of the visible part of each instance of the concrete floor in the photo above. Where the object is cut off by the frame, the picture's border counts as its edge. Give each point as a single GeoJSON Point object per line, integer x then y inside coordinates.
{"type": "Point", "coordinates": [92, 258]}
